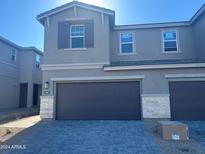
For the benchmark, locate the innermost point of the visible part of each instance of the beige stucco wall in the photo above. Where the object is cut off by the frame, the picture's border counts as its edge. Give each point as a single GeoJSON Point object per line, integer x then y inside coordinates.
{"type": "Point", "coordinates": [98, 54]}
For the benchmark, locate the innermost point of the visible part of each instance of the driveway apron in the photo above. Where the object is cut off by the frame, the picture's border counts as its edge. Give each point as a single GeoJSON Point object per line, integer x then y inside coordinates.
{"type": "Point", "coordinates": [85, 137]}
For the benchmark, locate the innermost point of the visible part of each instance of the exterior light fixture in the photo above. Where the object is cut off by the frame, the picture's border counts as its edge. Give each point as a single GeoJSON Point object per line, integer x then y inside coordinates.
{"type": "Point", "coordinates": [46, 85]}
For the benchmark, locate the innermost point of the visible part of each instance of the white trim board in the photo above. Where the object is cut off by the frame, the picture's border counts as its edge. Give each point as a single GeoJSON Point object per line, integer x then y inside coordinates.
{"type": "Point", "coordinates": [161, 66]}
{"type": "Point", "coordinates": [46, 67]}
{"type": "Point", "coordinates": [103, 78]}
{"type": "Point", "coordinates": [194, 75]}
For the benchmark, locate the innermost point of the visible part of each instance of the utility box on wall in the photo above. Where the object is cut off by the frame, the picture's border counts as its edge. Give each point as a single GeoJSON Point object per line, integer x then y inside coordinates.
{"type": "Point", "coordinates": [173, 130]}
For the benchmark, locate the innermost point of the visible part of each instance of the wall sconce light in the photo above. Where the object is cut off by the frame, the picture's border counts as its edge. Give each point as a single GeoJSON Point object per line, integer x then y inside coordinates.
{"type": "Point", "coordinates": [46, 85]}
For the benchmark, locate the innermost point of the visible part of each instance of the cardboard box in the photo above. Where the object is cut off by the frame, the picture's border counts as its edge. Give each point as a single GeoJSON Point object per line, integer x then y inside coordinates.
{"type": "Point", "coordinates": [173, 130]}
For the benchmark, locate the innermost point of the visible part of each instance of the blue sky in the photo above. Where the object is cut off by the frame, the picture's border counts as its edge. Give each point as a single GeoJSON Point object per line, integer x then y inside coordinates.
{"type": "Point", "coordinates": [19, 25]}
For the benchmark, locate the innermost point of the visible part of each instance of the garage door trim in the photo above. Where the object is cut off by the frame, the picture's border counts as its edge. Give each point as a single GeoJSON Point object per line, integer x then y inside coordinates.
{"type": "Point", "coordinates": [99, 78]}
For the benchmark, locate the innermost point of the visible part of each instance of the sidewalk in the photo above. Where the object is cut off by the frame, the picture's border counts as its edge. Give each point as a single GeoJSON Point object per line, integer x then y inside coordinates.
{"type": "Point", "coordinates": [10, 129]}
{"type": "Point", "coordinates": [13, 114]}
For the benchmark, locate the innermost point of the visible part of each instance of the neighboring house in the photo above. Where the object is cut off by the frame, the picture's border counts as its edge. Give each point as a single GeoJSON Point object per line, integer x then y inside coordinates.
{"type": "Point", "coordinates": [20, 75]}
{"type": "Point", "coordinates": [94, 69]}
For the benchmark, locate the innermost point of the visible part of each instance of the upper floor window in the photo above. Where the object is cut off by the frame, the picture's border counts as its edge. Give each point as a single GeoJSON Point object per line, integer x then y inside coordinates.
{"type": "Point", "coordinates": [38, 61]}
{"type": "Point", "coordinates": [170, 41]}
{"type": "Point", "coordinates": [13, 55]}
{"type": "Point", "coordinates": [77, 36]}
{"type": "Point", "coordinates": [126, 43]}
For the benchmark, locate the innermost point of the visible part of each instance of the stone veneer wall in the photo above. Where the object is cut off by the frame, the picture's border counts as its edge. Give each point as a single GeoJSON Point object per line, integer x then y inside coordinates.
{"type": "Point", "coordinates": [155, 106]}
{"type": "Point", "coordinates": [47, 107]}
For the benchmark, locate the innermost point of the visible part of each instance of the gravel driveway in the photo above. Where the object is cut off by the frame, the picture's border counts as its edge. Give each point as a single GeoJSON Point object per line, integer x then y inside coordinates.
{"type": "Point", "coordinates": [86, 137]}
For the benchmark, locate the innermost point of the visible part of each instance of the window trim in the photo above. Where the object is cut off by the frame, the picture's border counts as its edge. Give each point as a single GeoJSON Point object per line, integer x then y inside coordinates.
{"type": "Point", "coordinates": [133, 43]}
{"type": "Point", "coordinates": [77, 36]}
{"type": "Point", "coordinates": [177, 41]}
{"type": "Point", "coordinates": [15, 55]}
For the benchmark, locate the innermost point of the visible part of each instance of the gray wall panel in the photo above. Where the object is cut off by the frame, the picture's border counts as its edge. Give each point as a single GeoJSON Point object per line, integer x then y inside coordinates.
{"type": "Point", "coordinates": [9, 92]}
{"type": "Point", "coordinates": [153, 83]}
{"type": "Point", "coordinates": [199, 35]}
{"type": "Point", "coordinates": [148, 45]}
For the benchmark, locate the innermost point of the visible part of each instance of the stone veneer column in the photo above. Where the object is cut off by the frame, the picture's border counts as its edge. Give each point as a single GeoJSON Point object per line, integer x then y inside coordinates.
{"type": "Point", "coordinates": [47, 107]}
{"type": "Point", "coordinates": [156, 106]}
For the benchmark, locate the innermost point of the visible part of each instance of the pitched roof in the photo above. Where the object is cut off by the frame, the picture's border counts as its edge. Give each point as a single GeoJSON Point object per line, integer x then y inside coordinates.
{"type": "Point", "coordinates": [198, 14]}
{"type": "Point", "coordinates": [20, 47]}
{"type": "Point", "coordinates": [111, 12]}
{"type": "Point", "coordinates": [165, 24]}
{"type": "Point", "coordinates": [72, 4]}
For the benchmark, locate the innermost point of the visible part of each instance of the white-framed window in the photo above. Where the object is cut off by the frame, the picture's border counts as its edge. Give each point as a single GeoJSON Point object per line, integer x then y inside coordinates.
{"type": "Point", "coordinates": [13, 55]}
{"type": "Point", "coordinates": [127, 43]}
{"type": "Point", "coordinates": [38, 61]}
{"type": "Point", "coordinates": [77, 36]}
{"type": "Point", "coordinates": [170, 41]}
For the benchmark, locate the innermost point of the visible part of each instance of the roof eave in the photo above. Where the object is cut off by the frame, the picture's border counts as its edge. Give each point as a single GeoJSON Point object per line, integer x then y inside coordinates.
{"type": "Point", "coordinates": [10, 43]}
{"type": "Point", "coordinates": [162, 25]}
{"type": "Point", "coordinates": [152, 25]}
{"type": "Point", "coordinates": [42, 16]}
{"type": "Point", "coordinates": [32, 49]}
{"type": "Point", "coordinates": [197, 14]}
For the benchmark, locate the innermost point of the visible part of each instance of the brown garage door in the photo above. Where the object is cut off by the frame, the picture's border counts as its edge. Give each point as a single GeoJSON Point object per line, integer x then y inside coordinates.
{"type": "Point", "coordinates": [99, 100]}
{"type": "Point", "coordinates": [187, 100]}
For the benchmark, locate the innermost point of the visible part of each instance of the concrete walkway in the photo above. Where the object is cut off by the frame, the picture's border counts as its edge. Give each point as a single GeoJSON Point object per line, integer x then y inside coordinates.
{"type": "Point", "coordinates": [22, 123]}
{"type": "Point", "coordinates": [10, 129]}
{"type": "Point", "coordinates": [17, 113]}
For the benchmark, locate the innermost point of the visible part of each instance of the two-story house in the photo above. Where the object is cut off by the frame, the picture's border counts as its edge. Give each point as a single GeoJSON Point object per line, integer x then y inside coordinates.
{"type": "Point", "coordinates": [20, 75]}
{"type": "Point", "coordinates": [94, 69]}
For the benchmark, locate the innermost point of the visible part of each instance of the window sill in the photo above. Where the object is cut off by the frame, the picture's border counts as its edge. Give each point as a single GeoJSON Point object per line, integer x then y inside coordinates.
{"type": "Point", "coordinates": [127, 54]}
{"type": "Point", "coordinates": [171, 52]}
{"type": "Point", "coordinates": [74, 49]}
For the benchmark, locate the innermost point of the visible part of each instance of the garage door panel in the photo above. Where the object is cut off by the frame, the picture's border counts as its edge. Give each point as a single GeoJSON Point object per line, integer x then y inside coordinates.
{"type": "Point", "coordinates": [98, 115]}
{"type": "Point", "coordinates": [187, 100]}
{"type": "Point", "coordinates": [106, 100]}
{"type": "Point", "coordinates": [89, 107]}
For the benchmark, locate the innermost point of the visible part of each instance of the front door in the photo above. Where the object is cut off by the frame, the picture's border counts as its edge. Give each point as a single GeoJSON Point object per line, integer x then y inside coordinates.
{"type": "Point", "coordinates": [35, 94]}
{"type": "Point", "coordinates": [23, 95]}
